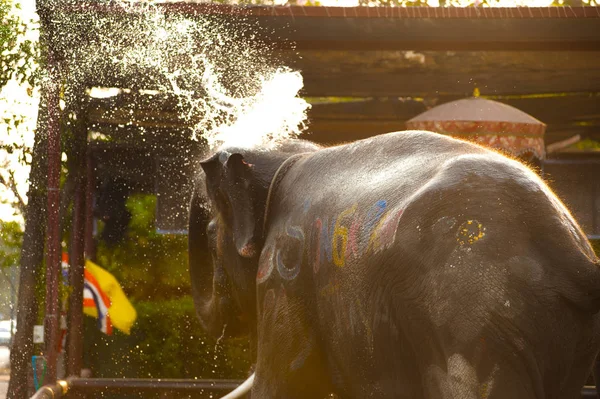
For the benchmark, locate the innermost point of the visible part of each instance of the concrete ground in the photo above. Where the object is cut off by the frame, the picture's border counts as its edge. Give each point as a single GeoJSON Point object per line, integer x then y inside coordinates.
{"type": "Point", "coordinates": [3, 386]}
{"type": "Point", "coordinates": [4, 356]}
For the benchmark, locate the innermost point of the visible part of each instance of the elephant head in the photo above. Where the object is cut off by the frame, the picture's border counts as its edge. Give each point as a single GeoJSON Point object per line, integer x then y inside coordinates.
{"type": "Point", "coordinates": [235, 191]}
{"type": "Point", "coordinates": [226, 233]}
{"type": "Point", "coordinates": [217, 305]}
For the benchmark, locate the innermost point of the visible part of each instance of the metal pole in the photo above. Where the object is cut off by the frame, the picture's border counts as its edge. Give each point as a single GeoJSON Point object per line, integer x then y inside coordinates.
{"type": "Point", "coordinates": [100, 386]}
{"type": "Point", "coordinates": [75, 313]}
{"type": "Point", "coordinates": [53, 249]}
{"type": "Point", "coordinates": [90, 247]}
{"type": "Point", "coordinates": [52, 391]}
{"type": "Point", "coordinates": [140, 386]}
{"type": "Point", "coordinates": [13, 305]}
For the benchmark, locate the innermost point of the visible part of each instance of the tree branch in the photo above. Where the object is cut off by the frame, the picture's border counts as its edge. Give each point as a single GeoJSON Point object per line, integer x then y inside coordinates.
{"type": "Point", "coordinates": [11, 184]}
{"type": "Point", "coordinates": [10, 282]}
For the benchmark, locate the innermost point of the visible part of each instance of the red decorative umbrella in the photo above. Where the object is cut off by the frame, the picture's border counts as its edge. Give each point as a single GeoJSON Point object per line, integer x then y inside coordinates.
{"type": "Point", "coordinates": [486, 122]}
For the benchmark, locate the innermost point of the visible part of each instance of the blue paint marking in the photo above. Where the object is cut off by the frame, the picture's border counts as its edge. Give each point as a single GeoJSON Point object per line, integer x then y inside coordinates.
{"type": "Point", "coordinates": [327, 238]}
{"type": "Point", "coordinates": [284, 271]}
{"type": "Point", "coordinates": [295, 232]}
{"type": "Point", "coordinates": [306, 206]}
{"type": "Point", "coordinates": [371, 219]}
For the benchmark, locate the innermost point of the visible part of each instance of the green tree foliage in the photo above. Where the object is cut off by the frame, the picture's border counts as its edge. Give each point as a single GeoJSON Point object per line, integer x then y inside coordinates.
{"type": "Point", "coordinates": [167, 340]}
{"type": "Point", "coordinates": [11, 238]}
{"type": "Point", "coordinates": [587, 145]}
{"type": "Point", "coordinates": [151, 266]}
{"type": "Point", "coordinates": [17, 52]}
{"type": "Point", "coordinates": [179, 345]}
{"type": "Point", "coordinates": [18, 66]}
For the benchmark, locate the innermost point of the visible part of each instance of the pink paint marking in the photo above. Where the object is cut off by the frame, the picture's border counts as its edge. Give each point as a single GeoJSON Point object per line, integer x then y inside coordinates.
{"type": "Point", "coordinates": [317, 263]}
{"type": "Point", "coordinates": [388, 233]}
{"type": "Point", "coordinates": [266, 266]}
{"type": "Point", "coordinates": [384, 234]}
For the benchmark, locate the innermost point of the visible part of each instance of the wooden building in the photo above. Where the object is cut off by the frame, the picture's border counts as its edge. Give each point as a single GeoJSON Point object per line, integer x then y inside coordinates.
{"type": "Point", "coordinates": [389, 65]}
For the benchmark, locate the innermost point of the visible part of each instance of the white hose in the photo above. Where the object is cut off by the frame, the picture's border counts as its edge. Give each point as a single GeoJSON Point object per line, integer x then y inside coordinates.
{"type": "Point", "coordinates": [242, 390]}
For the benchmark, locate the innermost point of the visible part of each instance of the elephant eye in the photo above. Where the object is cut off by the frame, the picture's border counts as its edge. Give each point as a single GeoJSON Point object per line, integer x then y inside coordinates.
{"type": "Point", "coordinates": [211, 232]}
{"type": "Point", "coordinates": [211, 229]}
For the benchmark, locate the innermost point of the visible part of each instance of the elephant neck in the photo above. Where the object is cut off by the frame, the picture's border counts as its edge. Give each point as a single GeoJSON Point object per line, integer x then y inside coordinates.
{"type": "Point", "coordinates": [277, 177]}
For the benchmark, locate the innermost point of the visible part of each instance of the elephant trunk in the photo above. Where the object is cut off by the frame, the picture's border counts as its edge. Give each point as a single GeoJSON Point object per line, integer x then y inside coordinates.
{"type": "Point", "coordinates": [204, 280]}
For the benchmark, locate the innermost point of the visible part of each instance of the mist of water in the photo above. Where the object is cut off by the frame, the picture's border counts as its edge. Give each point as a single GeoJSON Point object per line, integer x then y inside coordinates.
{"type": "Point", "coordinates": [228, 88]}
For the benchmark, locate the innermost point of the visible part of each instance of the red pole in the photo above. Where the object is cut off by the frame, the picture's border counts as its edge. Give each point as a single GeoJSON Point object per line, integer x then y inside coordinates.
{"type": "Point", "coordinates": [53, 248]}
{"type": "Point", "coordinates": [90, 247]}
{"type": "Point", "coordinates": [75, 333]}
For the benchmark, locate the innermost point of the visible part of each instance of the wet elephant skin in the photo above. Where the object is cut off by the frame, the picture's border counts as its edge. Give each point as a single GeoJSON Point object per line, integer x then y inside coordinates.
{"type": "Point", "coordinates": [408, 265]}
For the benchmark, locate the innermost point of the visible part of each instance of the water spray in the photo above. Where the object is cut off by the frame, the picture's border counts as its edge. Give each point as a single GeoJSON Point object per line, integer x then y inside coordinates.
{"type": "Point", "coordinates": [229, 88]}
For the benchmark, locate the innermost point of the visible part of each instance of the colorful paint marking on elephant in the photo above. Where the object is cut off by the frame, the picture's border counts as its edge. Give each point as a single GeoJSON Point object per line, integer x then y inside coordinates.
{"type": "Point", "coordinates": [266, 265]}
{"type": "Point", "coordinates": [273, 256]}
{"type": "Point", "coordinates": [323, 231]}
{"type": "Point", "coordinates": [340, 236]}
{"type": "Point", "coordinates": [362, 303]}
{"type": "Point", "coordinates": [289, 272]}
{"type": "Point", "coordinates": [352, 234]}
{"type": "Point", "coordinates": [330, 289]}
{"type": "Point", "coordinates": [384, 235]}
{"type": "Point", "coordinates": [348, 235]}
{"type": "Point", "coordinates": [470, 232]}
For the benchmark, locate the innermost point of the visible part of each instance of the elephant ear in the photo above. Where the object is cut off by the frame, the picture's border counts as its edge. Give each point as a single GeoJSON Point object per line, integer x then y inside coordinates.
{"type": "Point", "coordinates": [239, 190]}
{"type": "Point", "coordinates": [212, 171]}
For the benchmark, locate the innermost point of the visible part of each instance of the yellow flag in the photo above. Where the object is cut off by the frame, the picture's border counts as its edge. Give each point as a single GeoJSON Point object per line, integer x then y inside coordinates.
{"type": "Point", "coordinates": [104, 299]}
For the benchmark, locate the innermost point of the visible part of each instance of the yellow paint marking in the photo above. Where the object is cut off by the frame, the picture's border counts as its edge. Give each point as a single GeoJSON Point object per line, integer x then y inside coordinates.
{"type": "Point", "coordinates": [470, 232]}
{"type": "Point", "coordinates": [341, 232]}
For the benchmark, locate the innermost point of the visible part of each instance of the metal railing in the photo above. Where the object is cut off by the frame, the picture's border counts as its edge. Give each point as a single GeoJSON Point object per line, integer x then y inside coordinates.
{"type": "Point", "coordinates": [145, 385]}
{"type": "Point", "coordinates": [92, 386]}
{"type": "Point", "coordinates": [589, 392]}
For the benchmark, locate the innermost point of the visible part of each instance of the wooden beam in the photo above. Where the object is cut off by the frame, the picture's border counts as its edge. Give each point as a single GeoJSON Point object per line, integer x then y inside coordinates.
{"type": "Point", "coordinates": [333, 132]}
{"type": "Point", "coordinates": [393, 109]}
{"type": "Point", "coordinates": [396, 28]}
{"type": "Point", "coordinates": [329, 122]}
{"type": "Point", "coordinates": [568, 109]}
{"type": "Point", "coordinates": [432, 74]}
{"type": "Point", "coordinates": [167, 141]}
{"type": "Point", "coordinates": [563, 109]}
{"type": "Point", "coordinates": [560, 145]}
{"type": "Point", "coordinates": [160, 101]}
{"type": "Point", "coordinates": [163, 111]}
{"type": "Point", "coordinates": [477, 34]}
{"type": "Point", "coordinates": [139, 117]}
{"type": "Point", "coordinates": [367, 70]}
{"type": "Point", "coordinates": [427, 74]}
{"type": "Point", "coordinates": [161, 141]}
{"type": "Point", "coordinates": [330, 132]}
{"type": "Point", "coordinates": [558, 133]}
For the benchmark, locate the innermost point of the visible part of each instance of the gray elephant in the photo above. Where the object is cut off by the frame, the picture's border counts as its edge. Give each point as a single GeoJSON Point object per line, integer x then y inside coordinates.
{"type": "Point", "coordinates": [408, 265]}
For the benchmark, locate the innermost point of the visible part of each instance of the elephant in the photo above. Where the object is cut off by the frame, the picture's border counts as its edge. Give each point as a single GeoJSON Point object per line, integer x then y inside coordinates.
{"type": "Point", "coordinates": [406, 265]}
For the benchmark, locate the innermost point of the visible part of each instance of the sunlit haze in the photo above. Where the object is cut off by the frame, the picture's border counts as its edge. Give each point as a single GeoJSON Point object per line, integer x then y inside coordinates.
{"type": "Point", "coordinates": [260, 106]}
